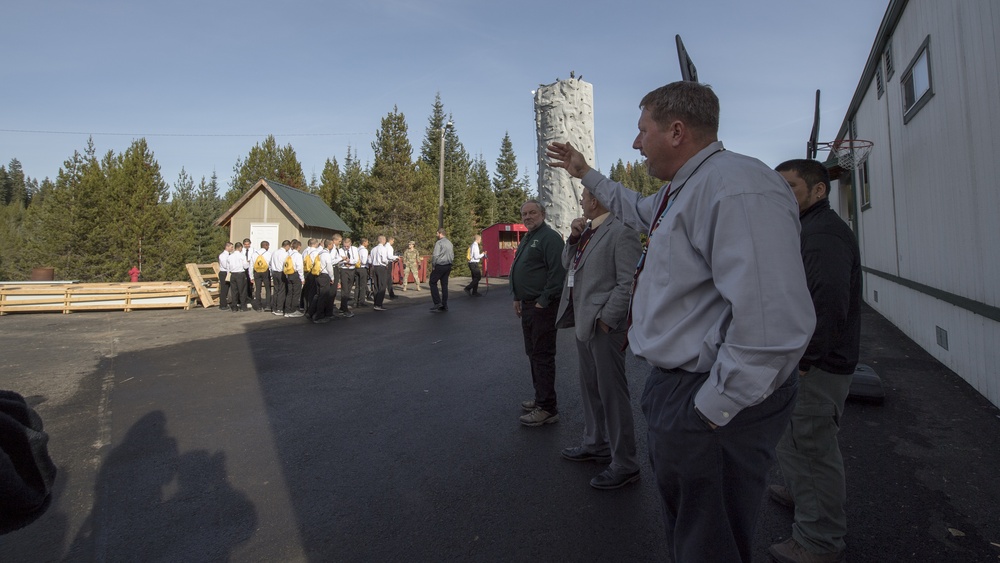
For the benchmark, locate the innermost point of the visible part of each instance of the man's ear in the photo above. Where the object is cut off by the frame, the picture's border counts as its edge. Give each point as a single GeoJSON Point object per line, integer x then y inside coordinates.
{"type": "Point", "coordinates": [823, 189]}
{"type": "Point", "coordinates": [676, 132]}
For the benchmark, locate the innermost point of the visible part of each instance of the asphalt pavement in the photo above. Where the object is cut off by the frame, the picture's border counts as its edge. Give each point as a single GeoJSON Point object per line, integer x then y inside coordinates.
{"type": "Point", "coordinates": [393, 436]}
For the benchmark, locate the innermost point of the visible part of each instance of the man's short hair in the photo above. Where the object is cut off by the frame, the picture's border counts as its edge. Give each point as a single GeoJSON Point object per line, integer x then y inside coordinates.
{"type": "Point", "coordinates": [286, 242]}
{"type": "Point", "coordinates": [811, 171]}
{"type": "Point", "coordinates": [696, 105]}
{"type": "Point", "coordinates": [440, 231]}
{"type": "Point", "coordinates": [264, 244]}
{"type": "Point", "coordinates": [536, 202]}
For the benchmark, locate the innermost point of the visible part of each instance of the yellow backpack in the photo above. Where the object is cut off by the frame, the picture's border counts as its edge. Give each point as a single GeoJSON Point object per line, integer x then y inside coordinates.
{"type": "Point", "coordinates": [307, 263]}
{"type": "Point", "coordinates": [289, 265]}
{"type": "Point", "coordinates": [260, 265]}
{"type": "Point", "coordinates": [317, 266]}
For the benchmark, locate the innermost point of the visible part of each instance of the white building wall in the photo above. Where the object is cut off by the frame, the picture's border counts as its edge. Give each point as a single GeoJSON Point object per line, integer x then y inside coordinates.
{"type": "Point", "coordinates": [934, 219]}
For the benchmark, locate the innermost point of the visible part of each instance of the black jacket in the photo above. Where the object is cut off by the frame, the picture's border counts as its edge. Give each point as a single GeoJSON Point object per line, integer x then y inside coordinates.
{"type": "Point", "coordinates": [833, 271]}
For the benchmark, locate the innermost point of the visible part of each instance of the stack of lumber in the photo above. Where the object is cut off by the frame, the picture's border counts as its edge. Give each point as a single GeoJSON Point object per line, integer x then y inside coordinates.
{"type": "Point", "coordinates": [72, 297]}
{"type": "Point", "coordinates": [205, 279]}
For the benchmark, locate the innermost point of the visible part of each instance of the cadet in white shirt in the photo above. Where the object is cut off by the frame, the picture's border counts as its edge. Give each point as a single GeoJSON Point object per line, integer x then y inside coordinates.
{"type": "Point", "coordinates": [238, 279]}
{"type": "Point", "coordinates": [224, 276]}
{"type": "Point", "coordinates": [361, 275]}
{"type": "Point", "coordinates": [279, 278]}
{"type": "Point", "coordinates": [380, 271]}
{"type": "Point", "coordinates": [261, 276]}
{"type": "Point", "coordinates": [392, 259]}
{"type": "Point", "coordinates": [350, 259]}
{"type": "Point", "coordinates": [294, 295]}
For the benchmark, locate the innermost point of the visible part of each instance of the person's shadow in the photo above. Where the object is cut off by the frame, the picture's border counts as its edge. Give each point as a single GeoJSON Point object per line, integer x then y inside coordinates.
{"type": "Point", "coordinates": [153, 503]}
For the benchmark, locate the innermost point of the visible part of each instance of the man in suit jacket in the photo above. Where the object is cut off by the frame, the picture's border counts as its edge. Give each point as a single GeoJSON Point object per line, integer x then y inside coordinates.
{"type": "Point", "coordinates": [600, 260]}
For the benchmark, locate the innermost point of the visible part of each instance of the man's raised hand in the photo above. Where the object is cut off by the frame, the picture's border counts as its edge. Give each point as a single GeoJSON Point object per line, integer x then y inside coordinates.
{"type": "Point", "coordinates": [563, 155]}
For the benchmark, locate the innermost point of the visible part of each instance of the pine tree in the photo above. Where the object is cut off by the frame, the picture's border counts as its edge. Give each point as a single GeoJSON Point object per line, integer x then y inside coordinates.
{"type": "Point", "coordinates": [15, 189]}
{"type": "Point", "coordinates": [353, 181]}
{"type": "Point", "coordinates": [511, 191]}
{"type": "Point", "coordinates": [485, 201]}
{"type": "Point", "coordinates": [459, 195]}
{"type": "Point", "coordinates": [392, 182]}
{"type": "Point", "coordinates": [266, 160]}
{"type": "Point", "coordinates": [330, 185]}
{"type": "Point", "coordinates": [57, 229]}
{"type": "Point", "coordinates": [139, 221]}
{"type": "Point", "coordinates": [207, 238]}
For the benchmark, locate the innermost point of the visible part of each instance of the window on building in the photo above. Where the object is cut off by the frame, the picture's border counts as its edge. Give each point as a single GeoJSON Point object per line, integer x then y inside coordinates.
{"type": "Point", "coordinates": [887, 56]}
{"type": "Point", "coordinates": [865, 187]}
{"type": "Point", "coordinates": [916, 82]}
{"type": "Point", "coordinates": [879, 85]}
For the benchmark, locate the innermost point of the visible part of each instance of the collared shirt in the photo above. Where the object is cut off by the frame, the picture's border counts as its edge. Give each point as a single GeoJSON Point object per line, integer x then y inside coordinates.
{"type": "Point", "coordinates": [278, 259]}
{"type": "Point", "coordinates": [349, 257]}
{"type": "Point", "coordinates": [237, 262]}
{"type": "Point", "coordinates": [363, 256]}
{"type": "Point", "coordinates": [474, 254]}
{"type": "Point", "coordinates": [325, 264]}
{"type": "Point", "coordinates": [379, 256]}
{"type": "Point", "coordinates": [390, 252]}
{"type": "Point", "coordinates": [297, 262]}
{"type": "Point", "coordinates": [443, 254]}
{"type": "Point", "coordinates": [723, 288]}
{"type": "Point", "coordinates": [224, 261]}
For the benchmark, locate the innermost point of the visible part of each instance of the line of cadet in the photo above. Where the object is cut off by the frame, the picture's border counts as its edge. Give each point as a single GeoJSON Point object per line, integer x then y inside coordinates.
{"type": "Point", "coordinates": [292, 282]}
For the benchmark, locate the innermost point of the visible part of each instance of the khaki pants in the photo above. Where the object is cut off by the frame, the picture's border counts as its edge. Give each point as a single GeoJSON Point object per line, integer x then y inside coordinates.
{"type": "Point", "coordinates": [810, 460]}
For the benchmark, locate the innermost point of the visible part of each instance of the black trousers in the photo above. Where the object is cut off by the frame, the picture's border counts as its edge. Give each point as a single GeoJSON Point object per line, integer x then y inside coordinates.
{"type": "Point", "coordinates": [294, 295]}
{"type": "Point", "coordinates": [262, 283]}
{"type": "Point", "coordinates": [711, 482]}
{"type": "Point", "coordinates": [280, 290]}
{"type": "Point", "coordinates": [308, 289]}
{"type": "Point", "coordinates": [389, 279]}
{"type": "Point", "coordinates": [477, 274]}
{"type": "Point", "coordinates": [360, 285]}
{"type": "Point", "coordinates": [380, 275]}
{"type": "Point", "coordinates": [322, 303]}
{"type": "Point", "coordinates": [238, 290]}
{"type": "Point", "coordinates": [223, 290]}
{"type": "Point", "coordinates": [346, 284]}
{"type": "Point", "coordinates": [440, 273]}
{"type": "Point", "coordinates": [539, 328]}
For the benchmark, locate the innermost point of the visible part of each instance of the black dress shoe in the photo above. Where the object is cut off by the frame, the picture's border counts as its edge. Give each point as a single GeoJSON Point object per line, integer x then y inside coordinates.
{"type": "Point", "coordinates": [577, 453]}
{"type": "Point", "coordinates": [611, 479]}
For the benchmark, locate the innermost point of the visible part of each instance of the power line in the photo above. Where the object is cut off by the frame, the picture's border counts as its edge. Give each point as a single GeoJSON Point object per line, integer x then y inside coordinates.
{"type": "Point", "coordinates": [41, 132]}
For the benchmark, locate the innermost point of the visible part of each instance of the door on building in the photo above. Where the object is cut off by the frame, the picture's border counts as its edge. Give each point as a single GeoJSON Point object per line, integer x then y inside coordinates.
{"type": "Point", "coordinates": [264, 231]}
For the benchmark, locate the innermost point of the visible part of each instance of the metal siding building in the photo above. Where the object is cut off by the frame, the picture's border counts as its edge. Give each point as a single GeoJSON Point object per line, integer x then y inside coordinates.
{"type": "Point", "coordinates": [929, 98]}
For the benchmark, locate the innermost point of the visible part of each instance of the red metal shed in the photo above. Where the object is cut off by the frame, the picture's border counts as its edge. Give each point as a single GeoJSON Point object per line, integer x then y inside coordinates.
{"type": "Point", "coordinates": [500, 243]}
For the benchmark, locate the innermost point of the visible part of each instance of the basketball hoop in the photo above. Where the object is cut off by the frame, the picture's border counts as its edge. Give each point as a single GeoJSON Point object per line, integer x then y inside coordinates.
{"type": "Point", "coordinates": [850, 153]}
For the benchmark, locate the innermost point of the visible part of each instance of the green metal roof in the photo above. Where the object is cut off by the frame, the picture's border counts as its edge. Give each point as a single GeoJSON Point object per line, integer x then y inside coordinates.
{"type": "Point", "coordinates": [309, 208]}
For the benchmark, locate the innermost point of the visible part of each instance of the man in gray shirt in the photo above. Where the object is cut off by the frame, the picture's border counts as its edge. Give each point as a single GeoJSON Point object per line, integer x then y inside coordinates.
{"type": "Point", "coordinates": [720, 310]}
{"type": "Point", "coordinates": [441, 259]}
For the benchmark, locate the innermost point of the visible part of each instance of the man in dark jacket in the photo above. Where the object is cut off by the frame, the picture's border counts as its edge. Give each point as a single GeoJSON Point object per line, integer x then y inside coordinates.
{"type": "Point", "coordinates": [808, 452]}
{"type": "Point", "coordinates": [536, 280]}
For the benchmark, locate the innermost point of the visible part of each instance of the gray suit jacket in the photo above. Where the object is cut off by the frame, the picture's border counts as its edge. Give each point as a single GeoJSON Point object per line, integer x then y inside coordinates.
{"type": "Point", "coordinates": [602, 280]}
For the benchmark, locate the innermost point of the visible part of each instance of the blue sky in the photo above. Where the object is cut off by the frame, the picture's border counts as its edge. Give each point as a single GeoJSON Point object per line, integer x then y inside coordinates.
{"type": "Point", "coordinates": [204, 81]}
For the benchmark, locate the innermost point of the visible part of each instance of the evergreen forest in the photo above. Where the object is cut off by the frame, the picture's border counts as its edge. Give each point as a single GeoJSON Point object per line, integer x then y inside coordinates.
{"type": "Point", "coordinates": [105, 213]}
